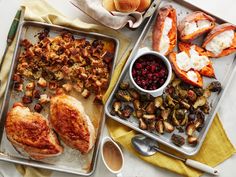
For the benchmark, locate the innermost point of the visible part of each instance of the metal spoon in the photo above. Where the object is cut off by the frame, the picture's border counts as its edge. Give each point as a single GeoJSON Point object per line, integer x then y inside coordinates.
{"type": "Point", "coordinates": [148, 147]}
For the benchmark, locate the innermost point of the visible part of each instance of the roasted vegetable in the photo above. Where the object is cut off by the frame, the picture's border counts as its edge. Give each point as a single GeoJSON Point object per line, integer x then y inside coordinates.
{"type": "Point", "coordinates": [201, 101]}
{"type": "Point", "coordinates": [124, 85]}
{"type": "Point", "coordinates": [137, 105]}
{"type": "Point", "coordinates": [134, 93]}
{"type": "Point", "coordinates": [193, 140]}
{"type": "Point", "coordinates": [170, 101]}
{"type": "Point", "coordinates": [127, 111]}
{"type": "Point", "coordinates": [184, 120]}
{"type": "Point", "coordinates": [207, 93]}
{"type": "Point", "coordinates": [139, 114]}
{"type": "Point", "coordinates": [151, 126]}
{"type": "Point", "coordinates": [142, 124]}
{"type": "Point", "coordinates": [150, 109]}
{"type": "Point", "coordinates": [123, 95]}
{"type": "Point", "coordinates": [149, 116]}
{"type": "Point", "coordinates": [190, 129]}
{"type": "Point", "coordinates": [168, 127]}
{"type": "Point", "coordinates": [178, 140]}
{"type": "Point", "coordinates": [160, 126]}
{"type": "Point", "coordinates": [165, 113]}
{"type": "Point", "coordinates": [205, 108]}
{"type": "Point", "coordinates": [117, 106]}
{"type": "Point", "coordinates": [158, 101]}
{"type": "Point", "coordinates": [184, 104]}
{"type": "Point", "coordinates": [215, 86]}
{"type": "Point", "coordinates": [174, 119]}
{"type": "Point", "coordinates": [191, 95]}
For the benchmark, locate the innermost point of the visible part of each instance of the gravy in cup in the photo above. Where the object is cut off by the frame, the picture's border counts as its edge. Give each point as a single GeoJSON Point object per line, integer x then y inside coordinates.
{"type": "Point", "coordinates": [112, 156]}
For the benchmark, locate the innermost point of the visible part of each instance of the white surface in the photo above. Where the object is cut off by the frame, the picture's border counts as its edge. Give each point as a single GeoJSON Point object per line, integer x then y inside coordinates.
{"type": "Point", "coordinates": [133, 166]}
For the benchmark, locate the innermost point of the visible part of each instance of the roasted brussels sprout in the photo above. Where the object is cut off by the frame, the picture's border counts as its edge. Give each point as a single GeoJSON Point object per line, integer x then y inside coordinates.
{"type": "Point", "coordinates": [191, 95]}
{"type": "Point", "coordinates": [124, 85]}
{"type": "Point", "coordinates": [127, 111]}
{"type": "Point", "coordinates": [158, 101]}
{"type": "Point", "coordinates": [199, 91]}
{"type": "Point", "coordinates": [168, 127]}
{"type": "Point", "coordinates": [184, 104]}
{"type": "Point", "coordinates": [137, 105]}
{"type": "Point", "coordinates": [201, 101]}
{"type": "Point", "coordinates": [150, 109]}
{"type": "Point", "coordinates": [178, 140]}
{"type": "Point", "coordinates": [117, 106]}
{"type": "Point", "coordinates": [193, 140]}
{"type": "Point", "coordinates": [184, 120]}
{"type": "Point", "coordinates": [151, 126]}
{"type": "Point", "coordinates": [134, 93]}
{"type": "Point", "coordinates": [170, 101]}
{"type": "Point", "coordinates": [123, 95]}
{"type": "Point", "coordinates": [215, 86]}
{"type": "Point", "coordinates": [139, 114]}
{"type": "Point", "coordinates": [176, 82]}
{"type": "Point", "coordinates": [149, 116]}
{"type": "Point", "coordinates": [174, 119]}
{"type": "Point", "coordinates": [142, 124]}
{"type": "Point", "coordinates": [160, 126]}
{"type": "Point", "coordinates": [207, 93]}
{"type": "Point", "coordinates": [206, 108]}
{"type": "Point", "coordinates": [190, 129]}
{"type": "Point", "coordinates": [165, 113]}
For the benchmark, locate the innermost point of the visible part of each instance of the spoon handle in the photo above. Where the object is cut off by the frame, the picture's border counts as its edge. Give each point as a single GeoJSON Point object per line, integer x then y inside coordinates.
{"type": "Point", "coordinates": [192, 163]}
{"type": "Point", "coordinates": [168, 154]}
{"type": "Point", "coordinates": [202, 167]}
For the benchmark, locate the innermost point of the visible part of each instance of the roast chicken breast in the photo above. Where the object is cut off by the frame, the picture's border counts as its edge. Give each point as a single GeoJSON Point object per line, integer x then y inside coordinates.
{"type": "Point", "coordinates": [29, 132]}
{"type": "Point", "coordinates": [69, 120]}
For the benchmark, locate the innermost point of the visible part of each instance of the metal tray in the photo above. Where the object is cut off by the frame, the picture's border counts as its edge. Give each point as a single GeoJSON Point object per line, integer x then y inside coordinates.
{"type": "Point", "coordinates": [224, 69]}
{"type": "Point", "coordinates": [71, 161]}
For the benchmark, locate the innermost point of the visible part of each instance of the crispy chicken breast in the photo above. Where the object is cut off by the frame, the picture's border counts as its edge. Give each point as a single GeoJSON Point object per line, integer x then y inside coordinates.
{"type": "Point", "coordinates": [29, 132]}
{"type": "Point", "coordinates": [70, 121]}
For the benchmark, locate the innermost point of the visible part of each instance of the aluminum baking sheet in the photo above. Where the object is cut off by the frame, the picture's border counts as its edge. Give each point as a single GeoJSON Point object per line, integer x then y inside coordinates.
{"type": "Point", "coordinates": [224, 69]}
{"type": "Point", "coordinates": [71, 161]}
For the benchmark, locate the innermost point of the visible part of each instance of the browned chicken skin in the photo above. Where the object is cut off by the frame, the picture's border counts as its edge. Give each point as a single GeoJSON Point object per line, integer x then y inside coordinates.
{"type": "Point", "coordinates": [70, 121]}
{"type": "Point", "coordinates": [30, 132]}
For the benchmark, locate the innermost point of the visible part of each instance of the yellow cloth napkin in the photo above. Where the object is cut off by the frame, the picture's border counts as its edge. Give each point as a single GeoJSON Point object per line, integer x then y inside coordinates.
{"type": "Point", "coordinates": [215, 149]}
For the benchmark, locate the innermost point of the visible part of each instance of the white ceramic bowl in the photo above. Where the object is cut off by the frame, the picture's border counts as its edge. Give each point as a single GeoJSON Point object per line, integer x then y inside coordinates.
{"type": "Point", "coordinates": [146, 51]}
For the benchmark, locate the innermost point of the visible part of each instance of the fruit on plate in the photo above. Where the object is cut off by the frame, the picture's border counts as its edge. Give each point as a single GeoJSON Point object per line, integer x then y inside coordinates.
{"type": "Point", "coordinates": [221, 41]}
{"type": "Point", "coordinates": [198, 53]}
{"type": "Point", "coordinates": [194, 25]}
{"type": "Point", "coordinates": [30, 133]}
{"type": "Point", "coordinates": [191, 63]}
{"type": "Point", "coordinates": [72, 124]}
{"type": "Point", "coordinates": [165, 30]}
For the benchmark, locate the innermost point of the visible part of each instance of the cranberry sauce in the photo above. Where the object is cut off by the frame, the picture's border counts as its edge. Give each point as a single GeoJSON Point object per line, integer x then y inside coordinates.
{"type": "Point", "coordinates": [149, 72]}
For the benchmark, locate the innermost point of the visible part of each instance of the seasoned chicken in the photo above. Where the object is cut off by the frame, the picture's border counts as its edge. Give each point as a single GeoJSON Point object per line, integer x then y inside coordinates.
{"type": "Point", "coordinates": [70, 121]}
{"type": "Point", "coordinates": [29, 132]}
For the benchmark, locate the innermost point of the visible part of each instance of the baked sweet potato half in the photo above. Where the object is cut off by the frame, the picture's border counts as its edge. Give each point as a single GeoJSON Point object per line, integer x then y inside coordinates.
{"type": "Point", "coordinates": [194, 25]}
{"type": "Point", "coordinates": [208, 69]}
{"type": "Point", "coordinates": [184, 75]}
{"type": "Point", "coordinates": [165, 30]}
{"type": "Point", "coordinates": [221, 41]}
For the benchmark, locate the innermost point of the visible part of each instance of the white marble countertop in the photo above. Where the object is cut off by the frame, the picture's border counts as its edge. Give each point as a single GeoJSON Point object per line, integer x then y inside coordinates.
{"type": "Point", "coordinates": [135, 167]}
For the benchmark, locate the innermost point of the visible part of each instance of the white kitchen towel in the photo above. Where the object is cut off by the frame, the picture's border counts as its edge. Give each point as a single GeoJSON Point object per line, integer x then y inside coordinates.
{"type": "Point", "coordinates": [115, 20]}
